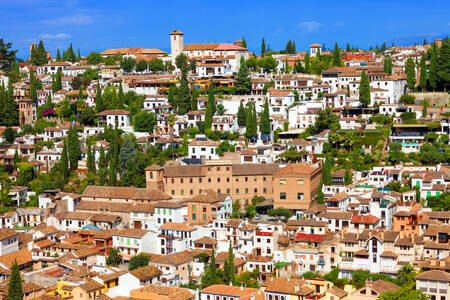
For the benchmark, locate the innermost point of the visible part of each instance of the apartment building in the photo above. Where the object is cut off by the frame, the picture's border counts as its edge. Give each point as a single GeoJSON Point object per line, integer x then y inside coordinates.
{"type": "Point", "coordinates": [435, 284]}
{"type": "Point", "coordinates": [295, 186]}
{"type": "Point", "coordinates": [241, 182]}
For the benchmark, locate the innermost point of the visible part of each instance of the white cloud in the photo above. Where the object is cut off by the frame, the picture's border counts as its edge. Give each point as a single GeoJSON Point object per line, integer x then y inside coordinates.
{"type": "Point", "coordinates": [309, 26]}
{"type": "Point", "coordinates": [54, 36]}
{"type": "Point", "coordinates": [70, 20]}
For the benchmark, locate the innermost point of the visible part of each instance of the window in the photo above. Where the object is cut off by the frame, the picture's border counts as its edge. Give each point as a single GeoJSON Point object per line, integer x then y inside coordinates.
{"type": "Point", "coordinates": [300, 196]}
{"type": "Point", "coordinates": [283, 196]}
{"type": "Point", "coordinates": [300, 182]}
{"type": "Point", "coordinates": [193, 208]}
{"type": "Point", "coordinates": [209, 179]}
{"type": "Point", "coordinates": [194, 216]}
{"type": "Point", "coordinates": [246, 191]}
{"type": "Point", "coordinates": [237, 191]}
{"type": "Point", "coordinates": [282, 181]}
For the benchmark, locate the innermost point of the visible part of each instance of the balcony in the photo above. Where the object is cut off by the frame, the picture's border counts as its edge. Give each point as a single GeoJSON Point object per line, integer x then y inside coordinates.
{"type": "Point", "coordinates": [347, 258]}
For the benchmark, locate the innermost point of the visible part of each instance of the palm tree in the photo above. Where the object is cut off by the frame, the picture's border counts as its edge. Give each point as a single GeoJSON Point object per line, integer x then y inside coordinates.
{"type": "Point", "coordinates": [407, 274]}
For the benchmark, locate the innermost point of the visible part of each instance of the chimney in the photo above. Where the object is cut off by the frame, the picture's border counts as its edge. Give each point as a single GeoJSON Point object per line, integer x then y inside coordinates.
{"type": "Point", "coordinates": [242, 287]}
{"type": "Point", "coordinates": [231, 284]}
{"type": "Point", "coordinates": [252, 297]}
{"type": "Point", "coordinates": [296, 288]}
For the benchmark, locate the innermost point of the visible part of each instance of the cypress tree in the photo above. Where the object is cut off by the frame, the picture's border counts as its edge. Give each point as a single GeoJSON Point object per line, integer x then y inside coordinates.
{"type": "Point", "coordinates": [121, 97]}
{"type": "Point", "coordinates": [423, 73]}
{"type": "Point", "coordinates": [171, 97]}
{"type": "Point", "coordinates": [34, 58]}
{"type": "Point", "coordinates": [364, 90]}
{"type": "Point", "coordinates": [348, 49]}
{"type": "Point", "coordinates": [64, 164]}
{"type": "Point", "coordinates": [41, 54]}
{"type": "Point", "coordinates": [33, 92]}
{"type": "Point", "coordinates": [74, 149]}
{"type": "Point", "coordinates": [114, 159]}
{"type": "Point", "coordinates": [337, 56]}
{"type": "Point", "coordinates": [263, 48]}
{"type": "Point", "coordinates": [194, 101]}
{"type": "Point", "coordinates": [90, 159]}
{"type": "Point", "coordinates": [102, 165]}
{"type": "Point", "coordinates": [127, 153]}
{"type": "Point", "coordinates": [241, 115]}
{"type": "Point", "coordinates": [243, 84]}
{"type": "Point", "coordinates": [99, 99]}
{"type": "Point", "coordinates": [307, 64]}
{"type": "Point", "coordinates": [58, 82]}
{"type": "Point", "coordinates": [10, 116]}
{"type": "Point", "coordinates": [293, 47]}
{"type": "Point", "coordinates": [58, 56]}
{"type": "Point", "coordinates": [320, 195]}
{"type": "Point", "coordinates": [15, 284]}
{"type": "Point", "coordinates": [347, 177]}
{"type": "Point", "coordinates": [265, 123]}
{"type": "Point", "coordinates": [433, 77]}
{"type": "Point", "coordinates": [210, 106]}
{"type": "Point", "coordinates": [230, 264]}
{"type": "Point", "coordinates": [443, 67]}
{"type": "Point", "coordinates": [184, 93]}
{"type": "Point", "coordinates": [79, 55]}
{"type": "Point", "coordinates": [255, 122]}
{"type": "Point", "coordinates": [387, 66]}
{"type": "Point", "coordinates": [244, 42]}
{"type": "Point", "coordinates": [212, 267]}
{"type": "Point", "coordinates": [411, 74]}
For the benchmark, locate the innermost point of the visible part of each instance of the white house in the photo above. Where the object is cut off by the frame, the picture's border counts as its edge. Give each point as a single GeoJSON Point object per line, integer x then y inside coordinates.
{"type": "Point", "coordinates": [112, 117]}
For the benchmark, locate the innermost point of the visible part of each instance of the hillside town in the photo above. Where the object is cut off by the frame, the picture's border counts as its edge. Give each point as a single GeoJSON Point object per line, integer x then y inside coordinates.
{"type": "Point", "coordinates": [216, 173]}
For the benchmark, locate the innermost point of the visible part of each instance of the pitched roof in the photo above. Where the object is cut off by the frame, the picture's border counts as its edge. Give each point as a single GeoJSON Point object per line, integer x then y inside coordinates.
{"type": "Point", "coordinates": [131, 232]}
{"type": "Point", "coordinates": [124, 193]}
{"type": "Point", "coordinates": [177, 226]}
{"type": "Point", "coordinates": [146, 272]}
{"type": "Point", "coordinates": [436, 275]}
{"type": "Point", "coordinates": [177, 258]}
{"type": "Point", "coordinates": [297, 169]}
{"type": "Point", "coordinates": [381, 286]}
{"type": "Point", "coordinates": [7, 233]}
{"type": "Point", "coordinates": [22, 257]}
{"type": "Point", "coordinates": [289, 286]}
{"type": "Point", "coordinates": [227, 290]}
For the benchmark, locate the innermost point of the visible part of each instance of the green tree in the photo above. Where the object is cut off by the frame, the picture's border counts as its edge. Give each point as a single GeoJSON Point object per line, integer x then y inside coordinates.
{"type": "Point", "coordinates": [423, 73]}
{"type": "Point", "coordinates": [74, 149]}
{"type": "Point", "coordinates": [443, 64]}
{"type": "Point", "coordinates": [33, 92]}
{"type": "Point", "coordinates": [90, 159]}
{"type": "Point", "coordinates": [94, 58]}
{"type": "Point", "coordinates": [58, 83]}
{"type": "Point", "coordinates": [10, 135]}
{"type": "Point", "coordinates": [156, 65]}
{"type": "Point", "coordinates": [79, 55]}
{"type": "Point", "coordinates": [411, 74]}
{"type": "Point", "coordinates": [243, 83]}
{"type": "Point", "coordinates": [26, 174]}
{"type": "Point", "coordinates": [348, 177]}
{"type": "Point", "coordinates": [210, 106]}
{"type": "Point", "coordinates": [58, 56]}
{"type": "Point", "coordinates": [64, 163]}
{"type": "Point", "coordinates": [181, 61]}
{"type": "Point", "coordinates": [424, 108]}
{"type": "Point", "coordinates": [15, 284]}
{"type": "Point", "coordinates": [114, 258]}
{"type": "Point", "coordinates": [98, 99]}
{"type": "Point", "coordinates": [320, 194]}
{"type": "Point", "coordinates": [7, 56]}
{"type": "Point", "coordinates": [144, 121]}
{"type": "Point", "coordinates": [337, 61]}
{"type": "Point", "coordinates": [184, 93]}
{"type": "Point", "coordinates": [138, 261]}
{"type": "Point", "coordinates": [364, 90]}
{"type": "Point", "coordinates": [407, 274]}
{"type": "Point", "coordinates": [265, 123]}
{"type": "Point", "coordinates": [263, 48]}
{"type": "Point", "coordinates": [127, 153]}
{"type": "Point", "coordinates": [209, 276]}
{"type": "Point", "coordinates": [250, 121]}
{"type": "Point", "coordinates": [433, 76]}
{"type": "Point", "coordinates": [241, 115]}
{"type": "Point", "coordinates": [230, 271]}
{"type": "Point", "coordinates": [127, 64]}
{"type": "Point", "coordinates": [244, 42]}
{"type": "Point", "coordinates": [194, 101]}
{"type": "Point", "coordinates": [307, 63]}
{"type": "Point", "coordinates": [387, 67]}
{"type": "Point", "coordinates": [141, 66]}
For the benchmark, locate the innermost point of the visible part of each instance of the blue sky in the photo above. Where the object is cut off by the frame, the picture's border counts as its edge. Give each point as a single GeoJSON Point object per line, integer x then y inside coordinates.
{"type": "Point", "coordinates": [96, 25]}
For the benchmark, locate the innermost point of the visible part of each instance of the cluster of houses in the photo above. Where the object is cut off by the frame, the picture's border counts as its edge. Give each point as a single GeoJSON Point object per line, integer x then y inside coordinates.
{"type": "Point", "coordinates": [62, 246]}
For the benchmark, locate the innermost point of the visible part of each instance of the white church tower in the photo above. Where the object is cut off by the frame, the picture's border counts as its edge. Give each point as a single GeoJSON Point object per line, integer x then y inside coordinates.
{"type": "Point", "coordinates": [176, 43]}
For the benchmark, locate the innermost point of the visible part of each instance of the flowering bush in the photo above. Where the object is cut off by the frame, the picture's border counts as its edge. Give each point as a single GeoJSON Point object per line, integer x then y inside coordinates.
{"type": "Point", "coordinates": [48, 112]}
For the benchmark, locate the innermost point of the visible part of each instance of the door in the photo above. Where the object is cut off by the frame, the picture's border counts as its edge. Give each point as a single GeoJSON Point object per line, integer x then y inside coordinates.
{"type": "Point", "coordinates": [137, 224]}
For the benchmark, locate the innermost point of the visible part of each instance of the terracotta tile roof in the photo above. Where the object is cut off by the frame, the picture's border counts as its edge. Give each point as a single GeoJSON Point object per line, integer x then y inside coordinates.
{"type": "Point", "coordinates": [434, 275]}
{"type": "Point", "coordinates": [337, 292]}
{"type": "Point", "coordinates": [172, 259]}
{"type": "Point", "coordinates": [124, 193]}
{"type": "Point", "coordinates": [146, 272]}
{"type": "Point", "coordinates": [366, 219]}
{"type": "Point", "coordinates": [289, 286]}
{"type": "Point", "coordinates": [113, 112]}
{"type": "Point", "coordinates": [381, 286]}
{"type": "Point", "coordinates": [297, 169]}
{"type": "Point", "coordinates": [387, 253]}
{"type": "Point", "coordinates": [108, 218]}
{"type": "Point", "coordinates": [22, 257]}
{"type": "Point", "coordinates": [171, 293]}
{"type": "Point", "coordinates": [306, 222]}
{"type": "Point", "coordinates": [177, 226]}
{"type": "Point", "coordinates": [335, 215]}
{"type": "Point", "coordinates": [109, 206]}
{"type": "Point", "coordinates": [91, 285]}
{"type": "Point", "coordinates": [206, 240]}
{"type": "Point", "coordinates": [131, 232]}
{"type": "Point", "coordinates": [226, 290]}
{"type": "Point", "coordinates": [6, 233]}
{"type": "Point", "coordinates": [183, 171]}
{"type": "Point", "coordinates": [144, 51]}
